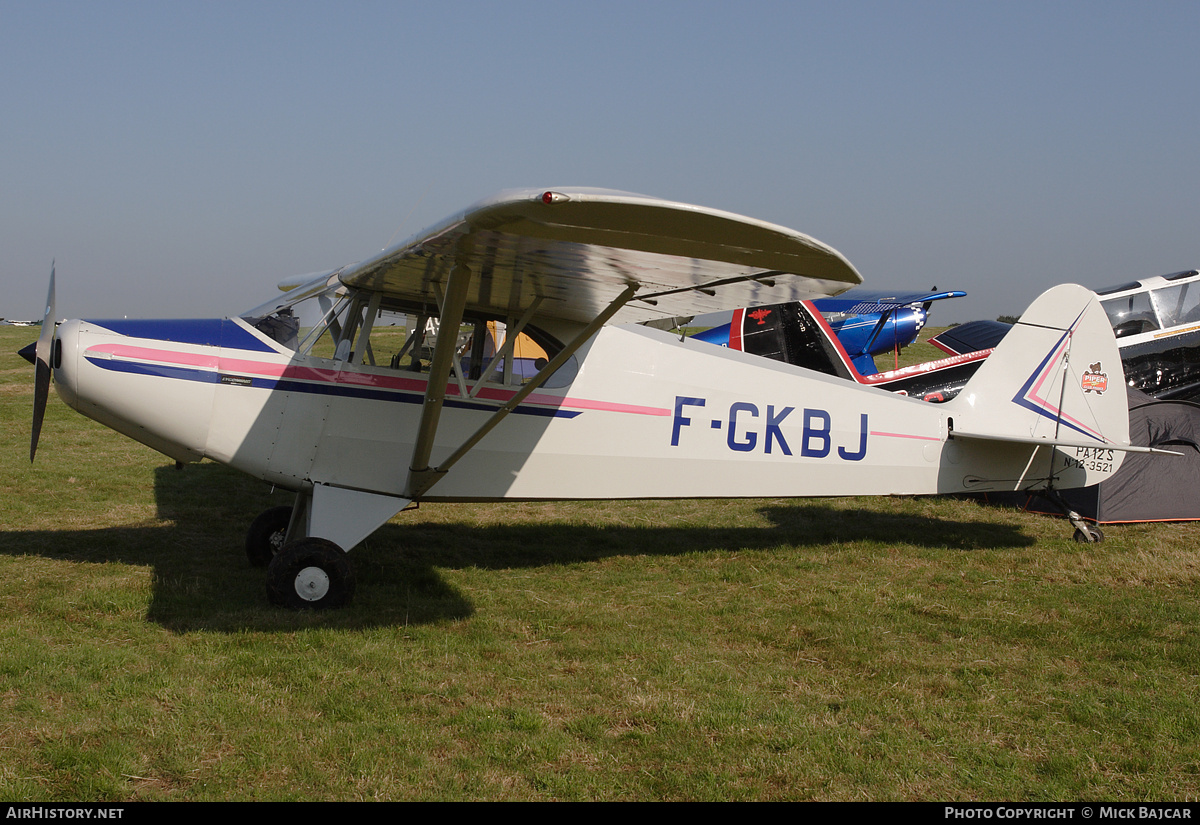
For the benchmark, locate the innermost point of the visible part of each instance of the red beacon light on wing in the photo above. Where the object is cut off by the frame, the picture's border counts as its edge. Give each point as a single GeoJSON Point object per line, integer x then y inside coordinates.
{"type": "Point", "coordinates": [554, 197]}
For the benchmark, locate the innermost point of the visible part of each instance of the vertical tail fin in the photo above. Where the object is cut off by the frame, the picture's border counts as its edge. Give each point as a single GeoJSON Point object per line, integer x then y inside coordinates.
{"type": "Point", "coordinates": [1055, 382]}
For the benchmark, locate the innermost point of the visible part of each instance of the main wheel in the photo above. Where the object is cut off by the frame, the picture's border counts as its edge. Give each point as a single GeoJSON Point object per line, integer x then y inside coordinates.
{"type": "Point", "coordinates": [310, 574]}
{"type": "Point", "coordinates": [1093, 535]}
{"type": "Point", "coordinates": [266, 535]}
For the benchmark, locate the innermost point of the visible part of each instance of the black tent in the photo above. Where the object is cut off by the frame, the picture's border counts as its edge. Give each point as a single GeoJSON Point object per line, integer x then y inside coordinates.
{"type": "Point", "coordinates": [1146, 487]}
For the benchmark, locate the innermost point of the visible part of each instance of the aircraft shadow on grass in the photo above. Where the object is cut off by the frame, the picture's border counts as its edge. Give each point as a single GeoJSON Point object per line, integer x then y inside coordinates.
{"type": "Point", "coordinates": [202, 580]}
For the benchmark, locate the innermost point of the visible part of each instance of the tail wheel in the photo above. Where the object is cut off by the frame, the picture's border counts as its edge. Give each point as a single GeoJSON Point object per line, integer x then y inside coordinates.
{"type": "Point", "coordinates": [266, 535]}
{"type": "Point", "coordinates": [310, 574]}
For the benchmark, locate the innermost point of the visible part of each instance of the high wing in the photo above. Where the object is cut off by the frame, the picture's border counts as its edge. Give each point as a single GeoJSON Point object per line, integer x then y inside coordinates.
{"type": "Point", "coordinates": [863, 301]}
{"type": "Point", "coordinates": [573, 253]}
{"type": "Point", "coordinates": [587, 257]}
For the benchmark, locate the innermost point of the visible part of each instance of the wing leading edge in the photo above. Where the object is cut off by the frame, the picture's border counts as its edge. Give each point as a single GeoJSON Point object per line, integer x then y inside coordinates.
{"type": "Point", "coordinates": [573, 252]}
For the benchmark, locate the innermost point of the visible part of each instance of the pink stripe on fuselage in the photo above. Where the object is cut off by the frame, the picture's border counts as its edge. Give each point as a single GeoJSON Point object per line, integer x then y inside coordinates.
{"type": "Point", "coordinates": [907, 435]}
{"type": "Point", "coordinates": [351, 378]}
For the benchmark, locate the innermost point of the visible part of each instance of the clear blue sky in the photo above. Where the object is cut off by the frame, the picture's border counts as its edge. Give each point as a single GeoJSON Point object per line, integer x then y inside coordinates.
{"type": "Point", "coordinates": [180, 158]}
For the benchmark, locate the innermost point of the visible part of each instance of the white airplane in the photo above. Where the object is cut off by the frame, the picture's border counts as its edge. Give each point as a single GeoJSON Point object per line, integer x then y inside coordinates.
{"type": "Point", "coordinates": [318, 393]}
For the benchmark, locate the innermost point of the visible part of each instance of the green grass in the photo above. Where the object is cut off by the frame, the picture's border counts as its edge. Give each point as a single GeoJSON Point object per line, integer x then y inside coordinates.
{"type": "Point", "coordinates": [889, 648]}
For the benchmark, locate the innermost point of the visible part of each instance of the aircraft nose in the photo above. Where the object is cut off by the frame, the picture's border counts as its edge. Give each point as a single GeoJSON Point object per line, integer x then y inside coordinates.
{"type": "Point", "coordinates": [64, 361]}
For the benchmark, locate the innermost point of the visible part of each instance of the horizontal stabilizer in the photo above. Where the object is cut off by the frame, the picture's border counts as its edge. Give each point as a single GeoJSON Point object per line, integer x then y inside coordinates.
{"type": "Point", "coordinates": [1061, 442]}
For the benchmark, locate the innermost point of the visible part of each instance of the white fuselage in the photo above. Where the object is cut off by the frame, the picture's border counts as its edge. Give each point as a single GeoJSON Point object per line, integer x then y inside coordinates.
{"type": "Point", "coordinates": [647, 415]}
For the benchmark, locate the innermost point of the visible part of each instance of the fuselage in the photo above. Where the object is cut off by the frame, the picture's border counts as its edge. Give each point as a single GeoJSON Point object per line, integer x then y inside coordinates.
{"type": "Point", "coordinates": [646, 415]}
{"type": "Point", "coordinates": [633, 412]}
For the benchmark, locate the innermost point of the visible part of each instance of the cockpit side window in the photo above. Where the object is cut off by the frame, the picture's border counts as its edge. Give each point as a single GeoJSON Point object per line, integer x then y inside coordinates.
{"type": "Point", "coordinates": [1178, 304]}
{"type": "Point", "coordinates": [1131, 314]}
{"type": "Point", "coordinates": [367, 330]}
{"type": "Point", "coordinates": [486, 351]}
{"type": "Point", "coordinates": [323, 337]}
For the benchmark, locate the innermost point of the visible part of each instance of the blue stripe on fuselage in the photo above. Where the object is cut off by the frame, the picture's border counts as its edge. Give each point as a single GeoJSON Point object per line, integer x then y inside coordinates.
{"type": "Point", "coordinates": [205, 332]}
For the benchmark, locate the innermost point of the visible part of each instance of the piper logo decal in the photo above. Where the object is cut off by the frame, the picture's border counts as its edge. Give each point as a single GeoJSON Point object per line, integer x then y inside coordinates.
{"type": "Point", "coordinates": [1094, 379]}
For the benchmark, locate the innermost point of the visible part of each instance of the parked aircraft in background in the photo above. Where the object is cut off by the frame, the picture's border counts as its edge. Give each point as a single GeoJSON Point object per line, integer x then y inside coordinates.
{"type": "Point", "coordinates": [871, 323]}
{"type": "Point", "coordinates": [1157, 325]}
{"type": "Point", "coordinates": [349, 415]}
{"type": "Point", "coordinates": [867, 323]}
{"type": "Point", "coordinates": [800, 335]}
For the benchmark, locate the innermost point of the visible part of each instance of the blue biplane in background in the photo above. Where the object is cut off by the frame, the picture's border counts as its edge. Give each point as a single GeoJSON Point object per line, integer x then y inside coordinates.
{"type": "Point", "coordinates": [867, 323]}
{"type": "Point", "coordinates": [798, 333]}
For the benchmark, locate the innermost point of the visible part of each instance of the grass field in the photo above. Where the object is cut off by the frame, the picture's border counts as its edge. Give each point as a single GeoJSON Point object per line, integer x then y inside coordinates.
{"type": "Point", "coordinates": [834, 649]}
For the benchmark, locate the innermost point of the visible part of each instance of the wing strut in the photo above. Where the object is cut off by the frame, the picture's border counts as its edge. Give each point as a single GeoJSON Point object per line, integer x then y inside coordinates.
{"type": "Point", "coordinates": [420, 481]}
{"type": "Point", "coordinates": [455, 301]}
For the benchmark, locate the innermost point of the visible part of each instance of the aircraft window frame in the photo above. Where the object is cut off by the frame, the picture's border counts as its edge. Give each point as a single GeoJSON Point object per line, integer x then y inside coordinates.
{"type": "Point", "coordinates": [278, 319]}
{"type": "Point", "coordinates": [353, 321]}
{"type": "Point", "coordinates": [482, 355]}
{"type": "Point", "coordinates": [1186, 273]}
{"type": "Point", "coordinates": [475, 366]}
{"type": "Point", "coordinates": [1174, 304]}
{"type": "Point", "coordinates": [1119, 288]}
{"type": "Point", "coordinates": [1131, 314]}
{"type": "Point", "coordinates": [1177, 304]}
{"type": "Point", "coordinates": [329, 321]}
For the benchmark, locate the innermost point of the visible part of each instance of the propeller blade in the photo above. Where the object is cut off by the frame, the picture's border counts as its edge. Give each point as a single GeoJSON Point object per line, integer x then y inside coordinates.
{"type": "Point", "coordinates": [41, 377]}
{"type": "Point", "coordinates": [41, 392]}
{"type": "Point", "coordinates": [46, 339]}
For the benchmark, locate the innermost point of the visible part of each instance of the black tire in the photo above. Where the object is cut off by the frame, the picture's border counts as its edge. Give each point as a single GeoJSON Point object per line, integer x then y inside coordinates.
{"type": "Point", "coordinates": [266, 535]}
{"type": "Point", "coordinates": [310, 574]}
{"type": "Point", "coordinates": [1093, 535]}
